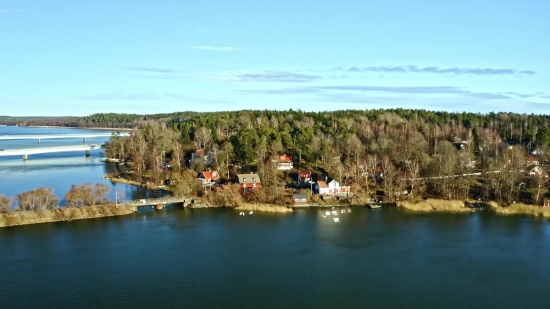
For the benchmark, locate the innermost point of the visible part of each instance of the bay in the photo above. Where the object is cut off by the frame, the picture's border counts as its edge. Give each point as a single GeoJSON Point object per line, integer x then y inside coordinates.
{"type": "Point", "coordinates": [214, 258]}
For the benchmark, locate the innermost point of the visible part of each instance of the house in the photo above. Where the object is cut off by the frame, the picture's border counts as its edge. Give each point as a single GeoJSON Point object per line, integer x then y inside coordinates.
{"type": "Point", "coordinates": [299, 199]}
{"type": "Point", "coordinates": [304, 176]}
{"type": "Point", "coordinates": [530, 160]}
{"type": "Point", "coordinates": [284, 162]}
{"type": "Point", "coordinates": [248, 182]}
{"type": "Point", "coordinates": [331, 187]}
{"type": "Point", "coordinates": [209, 177]}
{"type": "Point", "coordinates": [534, 170]}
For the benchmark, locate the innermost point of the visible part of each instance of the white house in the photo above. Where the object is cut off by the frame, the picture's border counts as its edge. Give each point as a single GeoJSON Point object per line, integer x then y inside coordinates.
{"type": "Point", "coordinates": [534, 170]}
{"type": "Point", "coordinates": [331, 188]}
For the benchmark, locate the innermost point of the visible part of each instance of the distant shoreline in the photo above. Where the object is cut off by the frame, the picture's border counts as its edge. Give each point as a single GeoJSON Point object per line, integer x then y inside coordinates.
{"type": "Point", "coordinates": [84, 128]}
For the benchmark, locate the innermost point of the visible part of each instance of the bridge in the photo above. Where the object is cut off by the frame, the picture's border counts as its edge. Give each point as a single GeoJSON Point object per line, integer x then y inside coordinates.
{"type": "Point", "coordinates": [58, 136]}
{"type": "Point", "coordinates": [26, 152]}
{"type": "Point", "coordinates": [158, 202]}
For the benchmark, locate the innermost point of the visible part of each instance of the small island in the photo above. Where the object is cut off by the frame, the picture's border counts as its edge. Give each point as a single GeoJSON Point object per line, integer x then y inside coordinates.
{"type": "Point", "coordinates": [277, 161]}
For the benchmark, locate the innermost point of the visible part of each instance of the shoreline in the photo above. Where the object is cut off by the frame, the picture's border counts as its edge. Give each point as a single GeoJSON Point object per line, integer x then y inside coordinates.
{"type": "Point", "coordinates": [29, 217]}
{"type": "Point", "coordinates": [83, 128]}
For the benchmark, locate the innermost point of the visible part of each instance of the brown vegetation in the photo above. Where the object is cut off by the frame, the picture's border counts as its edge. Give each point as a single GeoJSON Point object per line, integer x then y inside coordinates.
{"type": "Point", "coordinates": [263, 208]}
{"type": "Point", "coordinates": [11, 218]}
{"type": "Point", "coordinates": [520, 209]}
{"type": "Point", "coordinates": [435, 205]}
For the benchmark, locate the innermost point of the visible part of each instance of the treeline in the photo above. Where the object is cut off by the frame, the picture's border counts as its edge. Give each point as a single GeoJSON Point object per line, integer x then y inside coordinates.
{"type": "Point", "coordinates": [43, 198]}
{"type": "Point", "coordinates": [509, 126]}
{"type": "Point", "coordinates": [419, 151]}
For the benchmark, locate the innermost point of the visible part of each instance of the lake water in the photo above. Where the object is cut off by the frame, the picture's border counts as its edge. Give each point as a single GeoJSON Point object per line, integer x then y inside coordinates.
{"type": "Point", "coordinates": [214, 258]}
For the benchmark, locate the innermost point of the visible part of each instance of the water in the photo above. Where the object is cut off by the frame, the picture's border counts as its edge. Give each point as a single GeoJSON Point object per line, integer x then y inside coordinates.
{"type": "Point", "coordinates": [57, 171]}
{"type": "Point", "coordinates": [214, 258]}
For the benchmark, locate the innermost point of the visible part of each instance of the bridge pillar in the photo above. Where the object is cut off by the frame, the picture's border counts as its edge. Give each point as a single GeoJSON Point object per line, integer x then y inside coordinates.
{"type": "Point", "coordinates": [87, 153]}
{"type": "Point", "coordinates": [84, 140]}
{"type": "Point", "coordinates": [160, 206]}
{"type": "Point", "coordinates": [39, 141]}
{"type": "Point", "coordinates": [25, 157]}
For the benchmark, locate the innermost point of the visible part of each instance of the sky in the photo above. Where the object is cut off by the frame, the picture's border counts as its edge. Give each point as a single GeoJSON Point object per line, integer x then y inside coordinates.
{"type": "Point", "coordinates": [73, 58]}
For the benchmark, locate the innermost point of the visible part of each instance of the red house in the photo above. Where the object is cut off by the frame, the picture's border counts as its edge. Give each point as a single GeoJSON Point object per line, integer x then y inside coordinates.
{"type": "Point", "coordinates": [248, 182]}
{"type": "Point", "coordinates": [209, 177]}
{"type": "Point", "coordinates": [284, 162]}
{"type": "Point", "coordinates": [304, 176]}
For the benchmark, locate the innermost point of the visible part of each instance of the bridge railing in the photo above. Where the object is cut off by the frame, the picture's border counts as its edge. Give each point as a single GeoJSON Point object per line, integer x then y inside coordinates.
{"type": "Point", "coordinates": [151, 201]}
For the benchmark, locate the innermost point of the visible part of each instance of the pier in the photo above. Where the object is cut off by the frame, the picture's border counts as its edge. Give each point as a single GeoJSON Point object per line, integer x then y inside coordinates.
{"type": "Point", "coordinates": [159, 203]}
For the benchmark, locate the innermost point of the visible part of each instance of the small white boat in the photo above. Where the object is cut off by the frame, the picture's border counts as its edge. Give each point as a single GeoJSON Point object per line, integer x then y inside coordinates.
{"type": "Point", "coordinates": [374, 206]}
{"type": "Point", "coordinates": [336, 219]}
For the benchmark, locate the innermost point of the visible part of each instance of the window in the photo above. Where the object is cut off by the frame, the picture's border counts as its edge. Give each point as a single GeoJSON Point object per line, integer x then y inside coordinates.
{"type": "Point", "coordinates": [244, 179]}
{"type": "Point", "coordinates": [253, 179]}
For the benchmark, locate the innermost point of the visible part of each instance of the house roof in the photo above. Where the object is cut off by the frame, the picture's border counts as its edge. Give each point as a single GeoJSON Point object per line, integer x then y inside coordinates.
{"type": "Point", "coordinates": [299, 196]}
{"type": "Point", "coordinates": [531, 159]}
{"type": "Point", "coordinates": [322, 184]}
{"type": "Point", "coordinates": [284, 158]}
{"type": "Point", "coordinates": [210, 175]}
{"type": "Point", "coordinates": [248, 178]}
{"type": "Point", "coordinates": [530, 168]}
{"type": "Point", "coordinates": [304, 173]}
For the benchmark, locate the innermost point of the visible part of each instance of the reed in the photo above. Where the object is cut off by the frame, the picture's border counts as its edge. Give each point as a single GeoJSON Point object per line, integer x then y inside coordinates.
{"type": "Point", "coordinates": [435, 205]}
{"type": "Point", "coordinates": [520, 209]}
{"type": "Point", "coordinates": [263, 208]}
{"type": "Point", "coordinates": [15, 218]}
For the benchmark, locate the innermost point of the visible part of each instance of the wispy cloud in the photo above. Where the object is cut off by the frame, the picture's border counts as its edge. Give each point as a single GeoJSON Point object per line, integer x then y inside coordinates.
{"type": "Point", "coordinates": [217, 48]}
{"type": "Point", "coordinates": [395, 90]}
{"type": "Point", "coordinates": [151, 69]}
{"type": "Point", "coordinates": [417, 90]}
{"type": "Point", "coordinates": [300, 90]}
{"type": "Point", "coordinates": [268, 76]}
{"type": "Point", "coordinates": [437, 70]}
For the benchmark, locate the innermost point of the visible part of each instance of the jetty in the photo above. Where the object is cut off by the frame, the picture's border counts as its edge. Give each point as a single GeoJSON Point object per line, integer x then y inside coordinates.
{"type": "Point", "coordinates": [160, 202]}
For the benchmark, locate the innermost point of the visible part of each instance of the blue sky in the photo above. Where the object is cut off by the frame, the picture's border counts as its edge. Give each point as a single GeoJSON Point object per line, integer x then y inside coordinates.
{"type": "Point", "coordinates": [61, 57]}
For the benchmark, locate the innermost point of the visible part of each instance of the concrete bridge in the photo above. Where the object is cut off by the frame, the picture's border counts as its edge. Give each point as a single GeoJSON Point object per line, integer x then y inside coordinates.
{"type": "Point", "coordinates": [58, 136]}
{"type": "Point", "coordinates": [160, 202]}
{"type": "Point", "coordinates": [26, 152]}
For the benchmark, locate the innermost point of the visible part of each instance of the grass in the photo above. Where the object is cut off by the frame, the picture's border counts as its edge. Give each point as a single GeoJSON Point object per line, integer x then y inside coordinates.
{"type": "Point", "coordinates": [520, 209]}
{"type": "Point", "coordinates": [435, 205]}
{"type": "Point", "coordinates": [263, 208]}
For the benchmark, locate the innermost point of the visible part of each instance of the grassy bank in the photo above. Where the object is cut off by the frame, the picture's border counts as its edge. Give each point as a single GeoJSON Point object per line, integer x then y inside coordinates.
{"type": "Point", "coordinates": [435, 205]}
{"type": "Point", "coordinates": [62, 214]}
{"type": "Point", "coordinates": [520, 209]}
{"type": "Point", "coordinates": [263, 208]}
{"type": "Point", "coordinates": [125, 181]}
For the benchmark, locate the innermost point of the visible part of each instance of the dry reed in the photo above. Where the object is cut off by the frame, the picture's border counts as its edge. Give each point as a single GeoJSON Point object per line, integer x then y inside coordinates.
{"type": "Point", "coordinates": [436, 205]}
{"type": "Point", "coordinates": [263, 207]}
{"type": "Point", "coordinates": [520, 209]}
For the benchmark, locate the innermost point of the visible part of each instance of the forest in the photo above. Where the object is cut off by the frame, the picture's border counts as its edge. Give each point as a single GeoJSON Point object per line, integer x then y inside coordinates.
{"type": "Point", "coordinates": [422, 153]}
